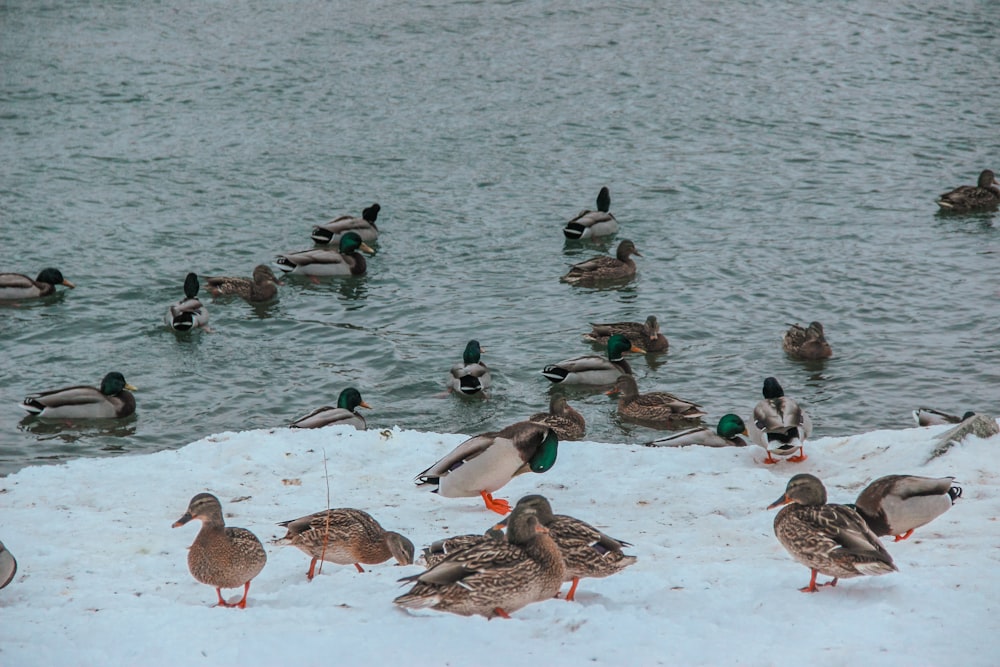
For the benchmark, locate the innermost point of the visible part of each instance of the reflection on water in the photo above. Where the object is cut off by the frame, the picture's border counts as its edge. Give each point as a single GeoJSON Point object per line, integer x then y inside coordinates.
{"type": "Point", "coordinates": [68, 430]}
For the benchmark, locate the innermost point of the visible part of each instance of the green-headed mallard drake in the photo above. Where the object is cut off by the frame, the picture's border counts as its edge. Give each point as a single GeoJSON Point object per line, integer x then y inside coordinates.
{"type": "Point", "coordinates": [188, 313]}
{"type": "Point", "coordinates": [586, 551]}
{"type": "Point", "coordinates": [983, 196]}
{"type": "Point", "coordinates": [331, 232]}
{"type": "Point", "coordinates": [827, 538]}
{"type": "Point", "coordinates": [221, 556]}
{"type": "Point", "coordinates": [472, 376]}
{"type": "Point", "coordinates": [344, 414]}
{"type": "Point", "coordinates": [589, 224]}
{"type": "Point", "coordinates": [494, 577]}
{"type": "Point", "coordinates": [562, 418]}
{"type": "Point", "coordinates": [262, 287]}
{"type": "Point", "coordinates": [656, 407]}
{"type": "Point", "coordinates": [346, 261]}
{"type": "Point", "coordinates": [898, 504]}
{"type": "Point", "coordinates": [603, 268]}
{"type": "Point", "coordinates": [646, 333]}
{"type": "Point", "coordinates": [346, 537]}
{"type": "Point", "coordinates": [112, 400]}
{"type": "Point", "coordinates": [806, 342]}
{"type": "Point", "coordinates": [593, 369]}
{"type": "Point", "coordinates": [8, 566]}
{"type": "Point", "coordinates": [484, 463]}
{"type": "Point", "coordinates": [932, 417]}
{"type": "Point", "coordinates": [726, 434]}
{"type": "Point", "coordinates": [441, 549]}
{"type": "Point", "coordinates": [15, 286]}
{"type": "Point", "coordinates": [779, 425]}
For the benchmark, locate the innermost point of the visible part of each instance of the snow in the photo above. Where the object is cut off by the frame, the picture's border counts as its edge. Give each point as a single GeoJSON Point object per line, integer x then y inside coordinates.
{"type": "Point", "coordinates": [103, 579]}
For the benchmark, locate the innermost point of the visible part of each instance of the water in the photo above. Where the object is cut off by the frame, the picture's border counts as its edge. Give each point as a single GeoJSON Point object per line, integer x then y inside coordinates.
{"type": "Point", "coordinates": [773, 162]}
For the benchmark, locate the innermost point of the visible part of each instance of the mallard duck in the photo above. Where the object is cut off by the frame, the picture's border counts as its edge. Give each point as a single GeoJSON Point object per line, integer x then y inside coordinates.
{"type": "Point", "coordinates": [188, 313]}
{"type": "Point", "coordinates": [779, 425]}
{"type": "Point", "coordinates": [588, 224]}
{"type": "Point", "coordinates": [981, 426]}
{"type": "Point", "coordinates": [8, 566]}
{"type": "Point", "coordinates": [262, 287]}
{"type": "Point", "coordinates": [494, 577]}
{"type": "Point", "coordinates": [647, 333]}
{"type": "Point", "coordinates": [484, 463]}
{"type": "Point", "coordinates": [112, 401]}
{"type": "Point", "coordinates": [593, 369]}
{"type": "Point", "coordinates": [345, 536]}
{"type": "Point", "coordinates": [17, 286]}
{"type": "Point", "coordinates": [726, 434]}
{"type": "Point", "coordinates": [331, 232]}
{"type": "Point", "coordinates": [561, 418]}
{"type": "Point", "coordinates": [472, 376]}
{"type": "Point", "coordinates": [586, 551]}
{"type": "Point", "coordinates": [898, 504]}
{"type": "Point", "coordinates": [806, 342]}
{"type": "Point", "coordinates": [345, 413]}
{"type": "Point", "coordinates": [325, 262]}
{"type": "Point", "coordinates": [603, 268]}
{"type": "Point", "coordinates": [830, 539]}
{"type": "Point", "coordinates": [983, 196]}
{"type": "Point", "coordinates": [221, 556]}
{"type": "Point", "coordinates": [441, 549]}
{"type": "Point", "coordinates": [656, 407]}
{"type": "Point", "coordinates": [932, 417]}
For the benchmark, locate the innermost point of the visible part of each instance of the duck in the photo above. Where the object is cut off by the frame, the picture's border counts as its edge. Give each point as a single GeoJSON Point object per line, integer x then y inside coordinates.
{"type": "Point", "coordinates": [933, 417]}
{"type": "Point", "coordinates": [647, 333]}
{"type": "Point", "coordinates": [17, 286]}
{"type": "Point", "coordinates": [978, 425]}
{"type": "Point", "coordinates": [188, 313]}
{"type": "Point", "coordinates": [493, 578]}
{"type": "Point", "coordinates": [726, 434]}
{"type": "Point", "coordinates": [983, 196]}
{"type": "Point", "coordinates": [656, 407]}
{"type": "Point", "coordinates": [345, 536]}
{"type": "Point", "coordinates": [113, 400]}
{"type": "Point", "coordinates": [221, 556]}
{"type": "Point", "coordinates": [485, 463]}
{"type": "Point", "coordinates": [806, 342]}
{"type": "Point", "coordinates": [345, 413]}
{"type": "Point", "coordinates": [472, 376]}
{"type": "Point", "coordinates": [779, 425]}
{"type": "Point", "coordinates": [262, 287]}
{"type": "Point", "coordinates": [561, 418]}
{"type": "Point", "coordinates": [443, 548]}
{"type": "Point", "coordinates": [346, 261]}
{"type": "Point", "coordinates": [586, 551]}
{"type": "Point", "coordinates": [603, 268]}
{"type": "Point", "coordinates": [899, 504]}
{"type": "Point", "coordinates": [331, 232]}
{"type": "Point", "coordinates": [829, 539]}
{"type": "Point", "coordinates": [8, 566]}
{"type": "Point", "coordinates": [589, 224]}
{"type": "Point", "coordinates": [593, 369]}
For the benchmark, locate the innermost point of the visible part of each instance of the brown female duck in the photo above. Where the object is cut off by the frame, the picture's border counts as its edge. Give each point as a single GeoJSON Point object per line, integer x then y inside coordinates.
{"type": "Point", "coordinates": [656, 407]}
{"type": "Point", "coordinates": [806, 342]}
{"type": "Point", "coordinates": [262, 287]}
{"type": "Point", "coordinates": [647, 334]}
{"type": "Point", "coordinates": [983, 196]}
{"type": "Point", "coordinates": [602, 268]}
{"type": "Point", "coordinates": [561, 418]}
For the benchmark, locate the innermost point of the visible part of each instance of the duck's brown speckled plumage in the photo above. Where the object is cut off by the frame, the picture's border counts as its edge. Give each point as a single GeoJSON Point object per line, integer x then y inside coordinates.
{"type": "Point", "coordinates": [806, 342]}
{"type": "Point", "coordinates": [221, 556]}
{"type": "Point", "coordinates": [645, 334]}
{"type": "Point", "coordinates": [898, 504]}
{"type": "Point", "coordinates": [443, 548]}
{"type": "Point", "coordinates": [658, 407]}
{"type": "Point", "coordinates": [983, 196]}
{"type": "Point", "coordinates": [604, 268]}
{"type": "Point", "coordinates": [562, 418]}
{"type": "Point", "coordinates": [261, 288]}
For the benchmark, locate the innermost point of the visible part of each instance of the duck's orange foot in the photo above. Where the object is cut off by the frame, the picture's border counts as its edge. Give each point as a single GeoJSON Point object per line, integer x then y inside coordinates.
{"type": "Point", "coordinates": [312, 569]}
{"type": "Point", "coordinates": [770, 459]}
{"type": "Point", "coordinates": [572, 590]}
{"type": "Point", "coordinates": [800, 458]}
{"type": "Point", "coordinates": [358, 565]}
{"type": "Point", "coordinates": [498, 505]}
{"type": "Point", "coordinates": [500, 612]}
{"type": "Point", "coordinates": [904, 536]}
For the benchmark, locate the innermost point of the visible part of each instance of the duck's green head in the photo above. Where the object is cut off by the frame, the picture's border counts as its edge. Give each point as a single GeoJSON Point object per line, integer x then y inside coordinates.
{"type": "Point", "coordinates": [350, 399]}
{"type": "Point", "coordinates": [604, 200]}
{"type": "Point", "coordinates": [114, 384]}
{"type": "Point", "coordinates": [731, 426]}
{"type": "Point", "coordinates": [545, 455]}
{"type": "Point", "coordinates": [618, 345]}
{"type": "Point", "coordinates": [351, 242]}
{"type": "Point", "coordinates": [191, 285]}
{"type": "Point", "coordinates": [52, 276]}
{"type": "Point", "coordinates": [772, 389]}
{"type": "Point", "coordinates": [472, 352]}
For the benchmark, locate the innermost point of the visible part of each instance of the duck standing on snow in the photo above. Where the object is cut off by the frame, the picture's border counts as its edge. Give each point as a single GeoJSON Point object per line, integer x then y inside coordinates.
{"type": "Point", "coordinates": [345, 413]}
{"type": "Point", "coordinates": [806, 342]}
{"type": "Point", "coordinates": [326, 262]}
{"type": "Point", "coordinates": [830, 539]}
{"type": "Point", "coordinates": [647, 333]}
{"type": "Point", "coordinates": [603, 268]}
{"type": "Point", "coordinates": [112, 400]}
{"type": "Point", "coordinates": [561, 418]}
{"type": "Point", "coordinates": [331, 232]}
{"type": "Point", "coordinates": [495, 577]}
{"type": "Point", "coordinates": [656, 407]}
{"type": "Point", "coordinates": [484, 463]}
{"type": "Point", "coordinates": [983, 196]}
{"type": "Point", "coordinates": [8, 566]}
{"type": "Point", "coordinates": [779, 425]}
{"type": "Point", "coordinates": [443, 548]}
{"type": "Point", "coordinates": [727, 434]}
{"type": "Point", "coordinates": [472, 376]}
{"type": "Point", "coordinates": [899, 504]}
{"type": "Point", "coordinates": [593, 369]}
{"type": "Point", "coordinates": [262, 287]}
{"type": "Point", "coordinates": [15, 286]}
{"type": "Point", "coordinates": [188, 313]}
{"type": "Point", "coordinates": [589, 224]}
{"type": "Point", "coordinates": [345, 536]}
{"type": "Point", "coordinates": [221, 556]}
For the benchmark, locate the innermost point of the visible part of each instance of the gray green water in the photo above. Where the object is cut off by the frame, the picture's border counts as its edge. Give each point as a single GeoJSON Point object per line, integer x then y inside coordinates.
{"type": "Point", "coordinates": [773, 161]}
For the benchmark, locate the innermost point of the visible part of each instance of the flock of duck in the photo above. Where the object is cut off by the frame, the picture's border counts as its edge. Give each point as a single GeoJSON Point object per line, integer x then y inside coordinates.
{"type": "Point", "coordinates": [526, 557]}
